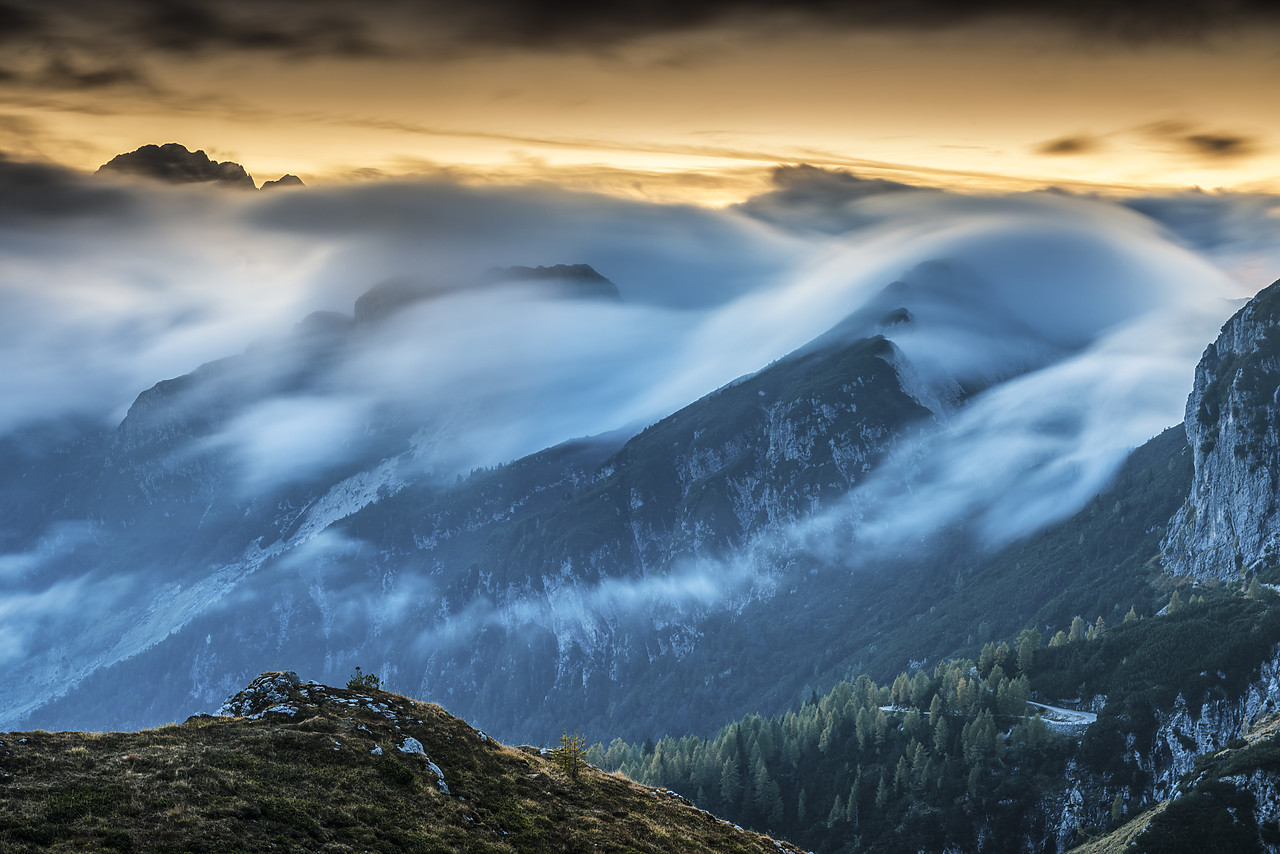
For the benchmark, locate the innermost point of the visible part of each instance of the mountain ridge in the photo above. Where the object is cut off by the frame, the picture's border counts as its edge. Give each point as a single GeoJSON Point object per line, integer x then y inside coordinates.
{"type": "Point", "coordinates": [294, 766]}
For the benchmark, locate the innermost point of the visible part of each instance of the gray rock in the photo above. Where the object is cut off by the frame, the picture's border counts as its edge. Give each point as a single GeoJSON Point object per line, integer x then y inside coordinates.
{"type": "Point", "coordinates": [1229, 526]}
{"type": "Point", "coordinates": [268, 690]}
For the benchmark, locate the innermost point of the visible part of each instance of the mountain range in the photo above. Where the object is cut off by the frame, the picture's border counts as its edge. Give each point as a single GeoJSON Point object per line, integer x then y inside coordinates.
{"type": "Point", "coordinates": [717, 574]}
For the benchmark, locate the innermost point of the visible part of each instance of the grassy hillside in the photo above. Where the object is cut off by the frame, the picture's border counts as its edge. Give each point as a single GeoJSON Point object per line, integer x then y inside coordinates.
{"type": "Point", "coordinates": [312, 768]}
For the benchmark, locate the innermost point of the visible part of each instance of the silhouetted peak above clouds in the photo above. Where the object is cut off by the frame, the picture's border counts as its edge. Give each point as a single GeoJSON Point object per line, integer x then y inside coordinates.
{"type": "Point", "coordinates": [284, 182]}
{"type": "Point", "coordinates": [176, 164]}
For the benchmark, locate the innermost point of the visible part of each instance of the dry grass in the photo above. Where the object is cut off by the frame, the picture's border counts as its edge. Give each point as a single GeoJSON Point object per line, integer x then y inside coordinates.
{"type": "Point", "coordinates": [310, 783]}
{"type": "Point", "coordinates": [1120, 839]}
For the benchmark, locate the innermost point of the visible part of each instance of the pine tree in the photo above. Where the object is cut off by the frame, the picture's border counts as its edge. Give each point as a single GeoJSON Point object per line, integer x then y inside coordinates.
{"type": "Point", "coordinates": [1002, 656]}
{"type": "Point", "coordinates": [901, 774]}
{"type": "Point", "coordinates": [568, 756]}
{"type": "Point", "coordinates": [1078, 629]}
{"type": "Point", "coordinates": [1028, 643]}
{"type": "Point", "coordinates": [837, 813]}
{"type": "Point", "coordinates": [1059, 639]}
{"type": "Point", "coordinates": [1175, 603]}
{"type": "Point", "coordinates": [941, 736]}
{"type": "Point", "coordinates": [730, 783]}
{"type": "Point", "coordinates": [882, 794]}
{"type": "Point", "coordinates": [986, 659]}
{"type": "Point", "coordinates": [1117, 809]}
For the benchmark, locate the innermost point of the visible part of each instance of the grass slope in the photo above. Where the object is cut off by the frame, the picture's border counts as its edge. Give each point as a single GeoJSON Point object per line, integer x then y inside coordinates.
{"type": "Point", "coordinates": [326, 772]}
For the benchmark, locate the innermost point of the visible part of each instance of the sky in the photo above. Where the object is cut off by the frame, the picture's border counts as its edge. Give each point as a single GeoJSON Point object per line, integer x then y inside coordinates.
{"type": "Point", "coordinates": [672, 101]}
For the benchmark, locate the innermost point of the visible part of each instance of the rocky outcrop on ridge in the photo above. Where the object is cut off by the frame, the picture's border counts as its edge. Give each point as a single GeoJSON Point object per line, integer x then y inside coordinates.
{"type": "Point", "coordinates": [1229, 527]}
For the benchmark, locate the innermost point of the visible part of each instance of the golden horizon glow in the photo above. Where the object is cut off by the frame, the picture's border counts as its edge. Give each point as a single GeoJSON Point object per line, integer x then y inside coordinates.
{"type": "Point", "coordinates": [705, 117]}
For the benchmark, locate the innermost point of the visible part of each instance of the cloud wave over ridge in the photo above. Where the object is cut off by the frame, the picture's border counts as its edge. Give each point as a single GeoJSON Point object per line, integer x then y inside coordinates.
{"type": "Point", "coordinates": [1070, 326]}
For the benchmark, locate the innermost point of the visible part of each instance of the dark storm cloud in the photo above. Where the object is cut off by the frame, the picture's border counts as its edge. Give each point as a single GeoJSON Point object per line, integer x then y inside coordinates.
{"type": "Point", "coordinates": [553, 22]}
{"type": "Point", "coordinates": [330, 28]}
{"type": "Point", "coordinates": [1069, 145]}
{"type": "Point", "coordinates": [34, 193]}
{"type": "Point", "coordinates": [60, 74]}
{"type": "Point", "coordinates": [319, 28]}
{"type": "Point", "coordinates": [17, 22]}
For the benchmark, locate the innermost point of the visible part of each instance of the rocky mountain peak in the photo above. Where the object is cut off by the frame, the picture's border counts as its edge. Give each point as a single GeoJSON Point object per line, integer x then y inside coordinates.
{"type": "Point", "coordinates": [176, 164]}
{"type": "Point", "coordinates": [1229, 527]}
{"type": "Point", "coordinates": [283, 182]}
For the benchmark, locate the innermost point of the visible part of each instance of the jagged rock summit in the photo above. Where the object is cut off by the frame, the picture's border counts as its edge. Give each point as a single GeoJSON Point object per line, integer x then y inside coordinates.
{"type": "Point", "coordinates": [290, 765]}
{"type": "Point", "coordinates": [284, 182]}
{"type": "Point", "coordinates": [1229, 527]}
{"type": "Point", "coordinates": [176, 164]}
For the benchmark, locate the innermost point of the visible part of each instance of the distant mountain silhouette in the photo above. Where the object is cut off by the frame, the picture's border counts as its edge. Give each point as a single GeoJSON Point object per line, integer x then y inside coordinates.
{"type": "Point", "coordinates": [175, 164]}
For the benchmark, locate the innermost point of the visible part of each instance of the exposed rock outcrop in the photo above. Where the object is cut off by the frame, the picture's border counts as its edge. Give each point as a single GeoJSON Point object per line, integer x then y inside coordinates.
{"type": "Point", "coordinates": [175, 164]}
{"type": "Point", "coordinates": [1229, 526]}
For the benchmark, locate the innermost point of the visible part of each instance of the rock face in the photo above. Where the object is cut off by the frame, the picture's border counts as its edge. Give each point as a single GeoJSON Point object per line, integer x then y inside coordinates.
{"type": "Point", "coordinates": [1229, 527]}
{"type": "Point", "coordinates": [269, 691]}
{"type": "Point", "coordinates": [175, 164]}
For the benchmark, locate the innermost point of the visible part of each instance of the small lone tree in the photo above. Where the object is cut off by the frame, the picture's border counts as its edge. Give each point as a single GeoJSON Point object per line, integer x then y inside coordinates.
{"type": "Point", "coordinates": [363, 681]}
{"type": "Point", "coordinates": [568, 756]}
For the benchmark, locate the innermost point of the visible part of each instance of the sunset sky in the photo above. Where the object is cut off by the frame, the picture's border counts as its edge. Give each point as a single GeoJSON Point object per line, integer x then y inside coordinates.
{"type": "Point", "coordinates": [673, 101]}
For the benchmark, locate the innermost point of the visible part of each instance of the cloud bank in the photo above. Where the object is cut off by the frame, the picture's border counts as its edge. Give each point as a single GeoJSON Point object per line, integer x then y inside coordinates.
{"type": "Point", "coordinates": [388, 27]}
{"type": "Point", "coordinates": [1073, 324]}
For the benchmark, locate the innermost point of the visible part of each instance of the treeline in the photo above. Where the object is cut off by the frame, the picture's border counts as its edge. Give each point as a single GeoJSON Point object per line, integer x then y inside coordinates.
{"type": "Point", "coordinates": [908, 765]}
{"type": "Point", "coordinates": [955, 756]}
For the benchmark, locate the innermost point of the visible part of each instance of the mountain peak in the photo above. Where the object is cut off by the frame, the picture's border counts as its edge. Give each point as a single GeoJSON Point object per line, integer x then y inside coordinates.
{"type": "Point", "coordinates": [284, 182]}
{"type": "Point", "coordinates": [176, 164]}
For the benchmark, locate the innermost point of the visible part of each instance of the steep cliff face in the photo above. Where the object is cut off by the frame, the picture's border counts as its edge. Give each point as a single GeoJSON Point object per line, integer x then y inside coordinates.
{"type": "Point", "coordinates": [1230, 524]}
{"type": "Point", "coordinates": [1185, 734]}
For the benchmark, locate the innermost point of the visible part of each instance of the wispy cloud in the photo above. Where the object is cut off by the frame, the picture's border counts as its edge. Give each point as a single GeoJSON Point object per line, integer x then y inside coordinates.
{"type": "Point", "coordinates": [1077, 144]}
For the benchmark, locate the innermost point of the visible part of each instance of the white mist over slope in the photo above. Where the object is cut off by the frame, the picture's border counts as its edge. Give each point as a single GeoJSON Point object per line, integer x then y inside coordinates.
{"type": "Point", "coordinates": [1101, 312]}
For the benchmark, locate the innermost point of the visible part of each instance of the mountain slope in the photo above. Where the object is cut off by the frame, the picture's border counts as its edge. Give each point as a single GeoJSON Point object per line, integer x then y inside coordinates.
{"type": "Point", "coordinates": [576, 566]}
{"type": "Point", "coordinates": [305, 767]}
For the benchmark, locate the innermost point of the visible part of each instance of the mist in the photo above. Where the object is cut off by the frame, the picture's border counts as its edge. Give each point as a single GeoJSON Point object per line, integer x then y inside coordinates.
{"type": "Point", "coordinates": [1049, 335]}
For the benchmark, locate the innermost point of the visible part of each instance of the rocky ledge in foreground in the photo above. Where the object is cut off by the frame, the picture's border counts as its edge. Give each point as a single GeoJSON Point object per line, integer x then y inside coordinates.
{"type": "Point", "coordinates": [298, 766]}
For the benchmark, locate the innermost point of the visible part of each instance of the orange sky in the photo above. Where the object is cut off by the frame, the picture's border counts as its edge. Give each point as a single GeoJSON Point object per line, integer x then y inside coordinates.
{"type": "Point", "coordinates": [703, 115]}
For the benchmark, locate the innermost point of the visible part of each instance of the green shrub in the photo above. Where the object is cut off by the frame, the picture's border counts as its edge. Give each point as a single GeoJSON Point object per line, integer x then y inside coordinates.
{"type": "Point", "coordinates": [363, 681]}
